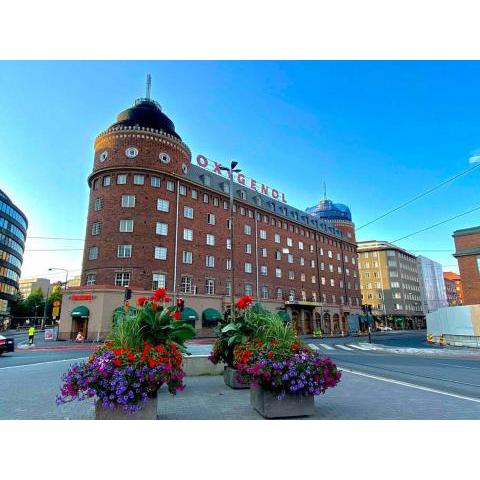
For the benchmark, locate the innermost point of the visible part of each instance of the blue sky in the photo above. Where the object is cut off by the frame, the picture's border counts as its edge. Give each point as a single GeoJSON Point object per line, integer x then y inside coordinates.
{"type": "Point", "coordinates": [376, 132]}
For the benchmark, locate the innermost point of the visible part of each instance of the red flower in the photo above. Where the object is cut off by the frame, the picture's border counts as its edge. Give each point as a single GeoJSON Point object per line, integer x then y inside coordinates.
{"type": "Point", "coordinates": [177, 315]}
{"type": "Point", "coordinates": [270, 354]}
{"type": "Point", "coordinates": [154, 306]}
{"type": "Point", "coordinates": [117, 362]}
{"type": "Point", "coordinates": [131, 357]}
{"type": "Point", "coordinates": [117, 352]}
{"type": "Point", "coordinates": [159, 294]}
{"type": "Point", "coordinates": [151, 362]}
{"type": "Point", "coordinates": [244, 302]}
{"type": "Point", "coordinates": [294, 347]}
{"type": "Point", "coordinates": [167, 299]}
{"type": "Point", "coordinates": [141, 301]}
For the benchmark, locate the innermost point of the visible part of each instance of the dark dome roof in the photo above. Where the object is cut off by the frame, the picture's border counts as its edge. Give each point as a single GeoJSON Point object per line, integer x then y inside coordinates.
{"type": "Point", "coordinates": [146, 113]}
{"type": "Point", "coordinates": [328, 210]}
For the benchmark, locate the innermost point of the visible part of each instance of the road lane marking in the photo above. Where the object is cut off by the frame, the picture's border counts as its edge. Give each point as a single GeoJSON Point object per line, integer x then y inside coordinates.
{"type": "Point", "coordinates": [344, 347]}
{"type": "Point", "coordinates": [313, 346]}
{"type": "Point", "coordinates": [358, 347]}
{"type": "Point", "coordinates": [326, 347]}
{"type": "Point", "coordinates": [44, 363]}
{"type": "Point", "coordinates": [410, 385]}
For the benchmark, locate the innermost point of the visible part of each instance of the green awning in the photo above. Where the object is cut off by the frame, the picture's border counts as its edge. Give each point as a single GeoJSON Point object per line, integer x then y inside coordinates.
{"type": "Point", "coordinates": [211, 315]}
{"type": "Point", "coordinates": [80, 312]}
{"type": "Point", "coordinates": [284, 316]}
{"type": "Point", "coordinates": [189, 315]}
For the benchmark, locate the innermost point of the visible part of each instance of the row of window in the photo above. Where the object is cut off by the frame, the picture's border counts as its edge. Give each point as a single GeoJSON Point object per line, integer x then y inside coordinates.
{"type": "Point", "coordinates": [9, 289]}
{"type": "Point", "coordinates": [4, 223]}
{"type": "Point", "coordinates": [6, 272]}
{"type": "Point", "coordinates": [9, 242]}
{"type": "Point", "coordinates": [10, 258]}
{"type": "Point", "coordinates": [13, 213]}
{"type": "Point", "coordinates": [122, 279]}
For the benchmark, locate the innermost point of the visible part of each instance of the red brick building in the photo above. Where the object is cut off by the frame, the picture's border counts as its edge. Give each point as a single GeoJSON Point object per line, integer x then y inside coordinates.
{"type": "Point", "coordinates": [453, 287]}
{"type": "Point", "coordinates": [467, 253]}
{"type": "Point", "coordinates": [157, 219]}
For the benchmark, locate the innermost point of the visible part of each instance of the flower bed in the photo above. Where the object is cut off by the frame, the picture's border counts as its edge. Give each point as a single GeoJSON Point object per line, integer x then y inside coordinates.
{"type": "Point", "coordinates": [143, 352]}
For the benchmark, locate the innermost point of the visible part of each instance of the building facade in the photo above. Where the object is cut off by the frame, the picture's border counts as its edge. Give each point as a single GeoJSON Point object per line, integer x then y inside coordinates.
{"type": "Point", "coordinates": [13, 233]}
{"type": "Point", "coordinates": [28, 285]}
{"type": "Point", "coordinates": [157, 219]}
{"type": "Point", "coordinates": [467, 253]}
{"type": "Point", "coordinates": [389, 282]}
{"type": "Point", "coordinates": [432, 284]}
{"type": "Point", "coordinates": [76, 281]}
{"type": "Point", "coordinates": [453, 287]}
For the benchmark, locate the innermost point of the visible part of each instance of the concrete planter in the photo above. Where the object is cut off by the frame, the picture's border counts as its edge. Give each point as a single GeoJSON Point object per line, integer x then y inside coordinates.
{"type": "Point", "coordinates": [267, 404]}
{"type": "Point", "coordinates": [148, 412]}
{"type": "Point", "coordinates": [231, 379]}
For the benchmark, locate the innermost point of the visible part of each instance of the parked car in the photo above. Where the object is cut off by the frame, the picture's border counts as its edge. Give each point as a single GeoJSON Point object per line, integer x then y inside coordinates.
{"type": "Point", "coordinates": [384, 329]}
{"type": "Point", "coordinates": [6, 344]}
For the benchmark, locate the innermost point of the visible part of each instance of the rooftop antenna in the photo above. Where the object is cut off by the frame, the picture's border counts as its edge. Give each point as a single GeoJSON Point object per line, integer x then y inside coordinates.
{"type": "Point", "coordinates": [149, 85]}
{"type": "Point", "coordinates": [324, 191]}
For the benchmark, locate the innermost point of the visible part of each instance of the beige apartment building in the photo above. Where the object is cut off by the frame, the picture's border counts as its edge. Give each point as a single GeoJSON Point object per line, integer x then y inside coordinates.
{"type": "Point", "coordinates": [389, 282]}
{"type": "Point", "coordinates": [28, 285]}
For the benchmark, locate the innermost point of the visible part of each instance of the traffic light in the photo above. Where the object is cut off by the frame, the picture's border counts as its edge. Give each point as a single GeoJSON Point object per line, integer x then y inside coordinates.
{"type": "Point", "coordinates": [180, 304]}
{"type": "Point", "coordinates": [128, 294]}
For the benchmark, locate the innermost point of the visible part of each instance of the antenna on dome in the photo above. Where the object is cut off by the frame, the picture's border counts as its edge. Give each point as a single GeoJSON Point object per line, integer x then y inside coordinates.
{"type": "Point", "coordinates": [149, 85]}
{"type": "Point", "coordinates": [324, 191]}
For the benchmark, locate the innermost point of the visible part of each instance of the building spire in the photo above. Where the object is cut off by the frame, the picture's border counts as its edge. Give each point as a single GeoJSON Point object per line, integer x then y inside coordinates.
{"type": "Point", "coordinates": [324, 191]}
{"type": "Point", "coordinates": [149, 86]}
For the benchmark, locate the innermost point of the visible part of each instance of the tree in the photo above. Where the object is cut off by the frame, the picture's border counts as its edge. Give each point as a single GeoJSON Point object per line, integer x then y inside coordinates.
{"type": "Point", "coordinates": [35, 303]}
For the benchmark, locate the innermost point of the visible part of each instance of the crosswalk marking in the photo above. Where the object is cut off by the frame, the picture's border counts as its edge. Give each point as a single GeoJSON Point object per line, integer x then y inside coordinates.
{"type": "Point", "coordinates": [357, 347]}
{"type": "Point", "coordinates": [344, 347]}
{"type": "Point", "coordinates": [313, 346]}
{"type": "Point", "coordinates": [326, 347]}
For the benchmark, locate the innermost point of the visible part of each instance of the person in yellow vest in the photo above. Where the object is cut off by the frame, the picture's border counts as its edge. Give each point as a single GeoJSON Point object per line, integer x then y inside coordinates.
{"type": "Point", "coordinates": [31, 334]}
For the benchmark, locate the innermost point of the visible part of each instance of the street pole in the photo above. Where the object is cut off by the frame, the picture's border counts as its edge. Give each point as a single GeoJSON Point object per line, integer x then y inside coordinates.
{"type": "Point", "coordinates": [231, 171]}
{"type": "Point", "coordinates": [45, 308]}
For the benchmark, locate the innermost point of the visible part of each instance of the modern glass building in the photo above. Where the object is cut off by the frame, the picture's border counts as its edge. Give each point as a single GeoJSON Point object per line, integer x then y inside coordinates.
{"type": "Point", "coordinates": [432, 285]}
{"type": "Point", "coordinates": [13, 233]}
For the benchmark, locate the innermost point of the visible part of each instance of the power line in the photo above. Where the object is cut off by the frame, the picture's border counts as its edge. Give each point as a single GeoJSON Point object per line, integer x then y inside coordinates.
{"type": "Point", "coordinates": [57, 238]}
{"type": "Point", "coordinates": [53, 250]}
{"type": "Point", "coordinates": [417, 197]}
{"type": "Point", "coordinates": [436, 224]}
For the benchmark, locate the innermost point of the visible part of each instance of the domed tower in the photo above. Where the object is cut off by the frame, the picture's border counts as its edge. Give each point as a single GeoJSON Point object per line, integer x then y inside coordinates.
{"type": "Point", "coordinates": [137, 163]}
{"type": "Point", "coordinates": [337, 214]}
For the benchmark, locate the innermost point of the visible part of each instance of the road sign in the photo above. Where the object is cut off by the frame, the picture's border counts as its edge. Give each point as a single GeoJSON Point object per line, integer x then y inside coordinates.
{"type": "Point", "coordinates": [49, 334]}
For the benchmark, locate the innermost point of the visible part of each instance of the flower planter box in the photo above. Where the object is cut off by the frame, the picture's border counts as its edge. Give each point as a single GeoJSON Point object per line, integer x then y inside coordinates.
{"type": "Point", "coordinates": [231, 380]}
{"type": "Point", "coordinates": [267, 404]}
{"type": "Point", "coordinates": [148, 412]}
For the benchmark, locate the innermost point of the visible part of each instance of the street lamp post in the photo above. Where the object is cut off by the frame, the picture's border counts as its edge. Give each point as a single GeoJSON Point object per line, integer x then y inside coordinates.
{"type": "Point", "coordinates": [231, 171]}
{"type": "Point", "coordinates": [66, 281]}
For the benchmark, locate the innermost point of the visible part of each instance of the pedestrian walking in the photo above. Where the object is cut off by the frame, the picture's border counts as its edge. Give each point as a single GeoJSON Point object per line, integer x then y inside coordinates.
{"type": "Point", "coordinates": [31, 334]}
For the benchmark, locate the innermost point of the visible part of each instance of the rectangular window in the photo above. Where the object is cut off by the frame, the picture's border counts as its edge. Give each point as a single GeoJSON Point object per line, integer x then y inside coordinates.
{"type": "Point", "coordinates": [138, 179]}
{"type": "Point", "coordinates": [312, 263]}
{"type": "Point", "coordinates": [126, 225]}
{"type": "Point", "coordinates": [229, 244]}
{"type": "Point", "coordinates": [330, 254]}
{"type": "Point", "coordinates": [300, 245]}
{"type": "Point", "coordinates": [122, 279]}
{"type": "Point", "coordinates": [264, 292]}
{"type": "Point", "coordinates": [187, 234]}
{"type": "Point", "coordinates": [279, 293]}
{"type": "Point", "coordinates": [229, 224]}
{"type": "Point", "coordinates": [158, 280]}
{"type": "Point", "coordinates": [210, 261]}
{"type": "Point", "coordinates": [186, 285]}
{"type": "Point", "coordinates": [182, 190]}
{"type": "Point", "coordinates": [248, 267]}
{"type": "Point", "coordinates": [278, 272]}
{"type": "Point", "coordinates": [194, 194]}
{"type": "Point", "coordinates": [263, 270]}
{"type": "Point", "coordinates": [290, 258]}
{"type": "Point", "coordinates": [210, 239]}
{"type": "Point", "coordinates": [209, 286]}
{"type": "Point", "coordinates": [228, 288]}
{"type": "Point", "coordinates": [161, 229]}
{"type": "Point", "coordinates": [187, 257]}
{"type": "Point", "coordinates": [128, 201]}
{"type": "Point", "coordinates": [124, 251]}
{"type": "Point", "coordinates": [302, 277]}
{"type": "Point", "coordinates": [263, 252]}
{"type": "Point", "coordinates": [95, 184]}
{"type": "Point", "coordinates": [170, 186]}
{"type": "Point", "coordinates": [291, 275]}
{"type": "Point", "coordinates": [277, 238]}
{"type": "Point", "coordinates": [247, 229]}
{"type": "Point", "coordinates": [98, 203]}
{"type": "Point", "coordinates": [330, 268]}
{"type": "Point", "coordinates": [205, 197]}
{"type": "Point", "coordinates": [332, 282]}
{"type": "Point", "coordinates": [302, 261]}
{"type": "Point", "coordinates": [289, 242]}
{"type": "Point", "coordinates": [107, 181]}
{"type": "Point", "coordinates": [248, 248]}
{"type": "Point", "coordinates": [322, 280]}
{"type": "Point", "coordinates": [155, 181]}
{"type": "Point", "coordinates": [210, 218]}
{"type": "Point", "coordinates": [478, 264]}
{"type": "Point", "coordinates": [121, 179]}
{"type": "Point", "coordinates": [96, 228]}
{"type": "Point", "coordinates": [248, 290]}
{"type": "Point", "coordinates": [216, 201]}
{"type": "Point", "coordinates": [229, 263]}
{"type": "Point", "coordinates": [93, 253]}
{"type": "Point", "coordinates": [163, 205]}
{"type": "Point", "coordinates": [314, 279]}
{"type": "Point", "coordinates": [160, 253]}
{"type": "Point", "coordinates": [278, 255]}
{"type": "Point", "coordinates": [188, 212]}
{"type": "Point", "coordinates": [91, 278]}
{"type": "Point", "coordinates": [263, 234]}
